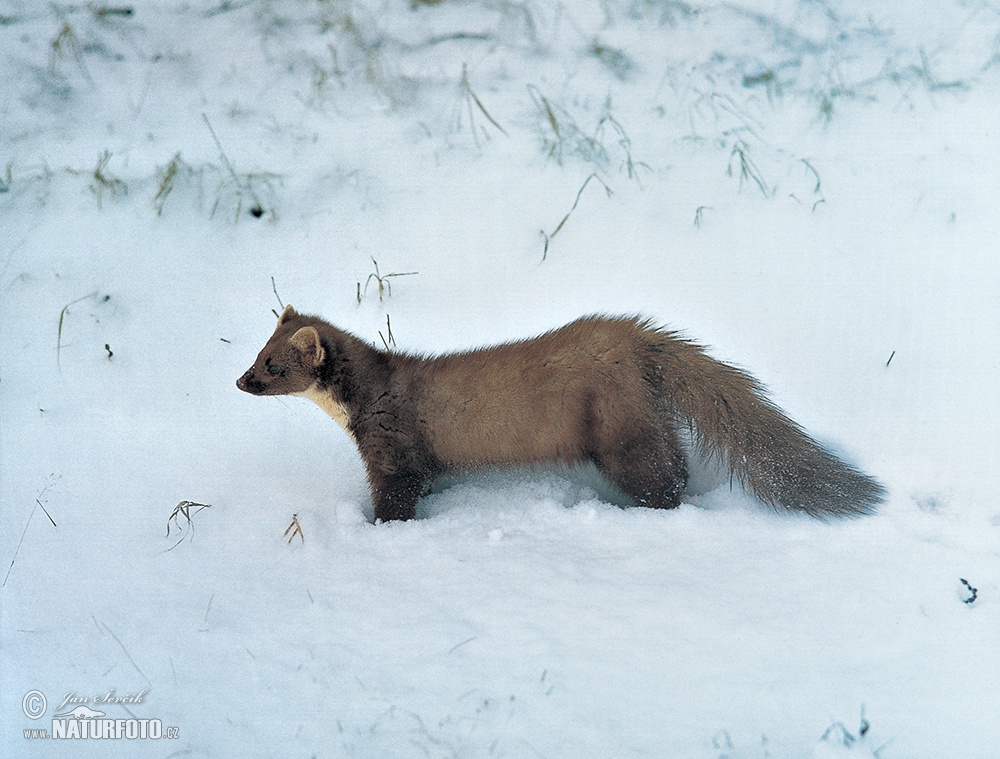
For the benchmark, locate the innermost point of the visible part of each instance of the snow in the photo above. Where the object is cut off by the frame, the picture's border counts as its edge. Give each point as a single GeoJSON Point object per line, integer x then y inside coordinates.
{"type": "Point", "coordinates": [809, 187]}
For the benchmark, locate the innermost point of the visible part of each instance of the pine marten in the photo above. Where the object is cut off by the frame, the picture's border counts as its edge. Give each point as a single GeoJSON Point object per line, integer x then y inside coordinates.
{"type": "Point", "coordinates": [635, 400]}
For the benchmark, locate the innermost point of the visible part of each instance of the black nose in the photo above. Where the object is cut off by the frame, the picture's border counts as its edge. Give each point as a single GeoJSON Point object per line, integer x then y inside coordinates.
{"type": "Point", "coordinates": [241, 383]}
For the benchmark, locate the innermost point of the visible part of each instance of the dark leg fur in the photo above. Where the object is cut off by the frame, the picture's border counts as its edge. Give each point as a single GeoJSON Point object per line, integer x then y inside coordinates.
{"type": "Point", "coordinates": [396, 495]}
{"type": "Point", "coordinates": [650, 469]}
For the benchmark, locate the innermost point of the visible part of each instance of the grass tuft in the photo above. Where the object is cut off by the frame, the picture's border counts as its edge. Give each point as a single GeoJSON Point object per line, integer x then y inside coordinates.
{"type": "Point", "coordinates": [243, 188]}
{"type": "Point", "coordinates": [66, 44]}
{"type": "Point", "coordinates": [670, 12]}
{"type": "Point", "coordinates": [561, 136]}
{"type": "Point", "coordinates": [618, 62]}
{"type": "Point", "coordinates": [105, 182]}
{"type": "Point", "coordinates": [186, 509]}
{"type": "Point", "coordinates": [631, 166]}
{"type": "Point", "coordinates": [748, 171]}
{"type": "Point", "coordinates": [838, 736]}
{"type": "Point", "coordinates": [167, 177]}
{"type": "Point", "coordinates": [470, 104]}
{"type": "Point", "coordinates": [382, 280]}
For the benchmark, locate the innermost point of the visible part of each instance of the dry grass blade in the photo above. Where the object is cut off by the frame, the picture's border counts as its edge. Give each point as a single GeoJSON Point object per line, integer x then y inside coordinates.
{"type": "Point", "coordinates": [222, 152]}
{"type": "Point", "coordinates": [66, 42]}
{"type": "Point", "coordinates": [576, 202]}
{"type": "Point", "coordinates": [51, 480]}
{"type": "Point", "coordinates": [543, 103]}
{"type": "Point", "coordinates": [472, 104]}
{"type": "Point", "coordinates": [554, 146]}
{"type": "Point", "coordinates": [241, 185]}
{"type": "Point", "coordinates": [748, 169]}
{"type": "Point", "coordinates": [815, 173]}
{"type": "Point", "coordinates": [275, 288]}
{"type": "Point", "coordinates": [118, 640]}
{"type": "Point", "coordinates": [294, 529]}
{"type": "Point", "coordinates": [168, 176]}
{"type": "Point", "coordinates": [186, 509]}
{"type": "Point", "coordinates": [103, 181]}
{"type": "Point", "coordinates": [62, 318]}
{"type": "Point", "coordinates": [384, 285]}
{"type": "Point", "coordinates": [625, 143]}
{"type": "Point", "coordinates": [106, 11]}
{"type": "Point", "coordinates": [389, 342]}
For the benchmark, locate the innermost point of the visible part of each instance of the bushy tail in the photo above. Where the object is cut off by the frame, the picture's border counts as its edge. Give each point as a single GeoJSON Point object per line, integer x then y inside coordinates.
{"type": "Point", "coordinates": [732, 420]}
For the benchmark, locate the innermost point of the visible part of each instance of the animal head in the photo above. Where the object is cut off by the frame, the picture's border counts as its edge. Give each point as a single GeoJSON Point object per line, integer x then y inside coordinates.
{"type": "Point", "coordinates": [289, 362]}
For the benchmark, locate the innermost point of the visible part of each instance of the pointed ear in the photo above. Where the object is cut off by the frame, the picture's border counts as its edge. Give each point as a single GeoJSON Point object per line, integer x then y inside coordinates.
{"type": "Point", "coordinates": [288, 313]}
{"type": "Point", "coordinates": [307, 340]}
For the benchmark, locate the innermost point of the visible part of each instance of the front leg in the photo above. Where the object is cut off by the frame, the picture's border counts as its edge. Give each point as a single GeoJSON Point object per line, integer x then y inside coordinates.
{"type": "Point", "coordinates": [397, 460]}
{"type": "Point", "coordinates": [395, 495]}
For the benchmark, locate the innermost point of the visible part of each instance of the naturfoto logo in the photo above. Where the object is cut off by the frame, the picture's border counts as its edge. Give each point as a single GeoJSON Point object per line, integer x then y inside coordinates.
{"type": "Point", "coordinates": [76, 717]}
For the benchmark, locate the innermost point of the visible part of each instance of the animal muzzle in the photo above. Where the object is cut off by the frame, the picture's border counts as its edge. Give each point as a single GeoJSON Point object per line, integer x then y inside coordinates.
{"type": "Point", "coordinates": [248, 384]}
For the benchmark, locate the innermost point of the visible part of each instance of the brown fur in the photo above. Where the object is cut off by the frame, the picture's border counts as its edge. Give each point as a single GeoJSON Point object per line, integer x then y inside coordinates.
{"type": "Point", "coordinates": [615, 392]}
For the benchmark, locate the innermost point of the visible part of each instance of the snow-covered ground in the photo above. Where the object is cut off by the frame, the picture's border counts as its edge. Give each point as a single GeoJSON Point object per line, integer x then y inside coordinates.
{"type": "Point", "coordinates": [810, 187]}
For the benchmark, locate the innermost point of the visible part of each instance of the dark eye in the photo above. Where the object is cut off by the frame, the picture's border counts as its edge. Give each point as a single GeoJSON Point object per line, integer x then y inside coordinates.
{"type": "Point", "coordinates": [274, 370]}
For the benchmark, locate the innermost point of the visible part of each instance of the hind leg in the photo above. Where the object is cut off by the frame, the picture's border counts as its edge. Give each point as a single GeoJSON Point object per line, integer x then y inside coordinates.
{"type": "Point", "coordinates": [648, 465]}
